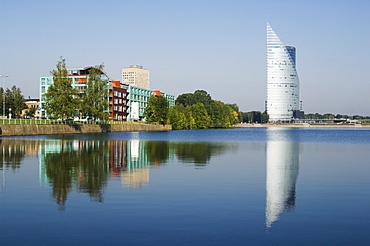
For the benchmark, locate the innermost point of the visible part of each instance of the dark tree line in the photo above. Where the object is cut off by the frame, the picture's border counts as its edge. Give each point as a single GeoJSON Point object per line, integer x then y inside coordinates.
{"type": "Point", "coordinates": [329, 116]}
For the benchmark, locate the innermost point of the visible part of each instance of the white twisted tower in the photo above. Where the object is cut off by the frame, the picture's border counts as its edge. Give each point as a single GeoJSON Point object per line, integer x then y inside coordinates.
{"type": "Point", "coordinates": [283, 96]}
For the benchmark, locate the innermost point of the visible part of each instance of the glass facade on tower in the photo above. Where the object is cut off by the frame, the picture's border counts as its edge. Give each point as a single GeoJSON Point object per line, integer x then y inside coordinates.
{"type": "Point", "coordinates": [283, 96]}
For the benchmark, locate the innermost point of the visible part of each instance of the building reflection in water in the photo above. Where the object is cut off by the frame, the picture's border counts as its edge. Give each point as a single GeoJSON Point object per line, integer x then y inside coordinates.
{"type": "Point", "coordinates": [137, 172]}
{"type": "Point", "coordinates": [118, 157]}
{"type": "Point", "coordinates": [282, 167]}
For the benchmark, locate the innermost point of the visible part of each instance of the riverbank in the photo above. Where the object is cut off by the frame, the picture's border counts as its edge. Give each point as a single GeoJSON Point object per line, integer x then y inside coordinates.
{"type": "Point", "coordinates": [26, 130]}
{"type": "Point", "coordinates": [301, 125]}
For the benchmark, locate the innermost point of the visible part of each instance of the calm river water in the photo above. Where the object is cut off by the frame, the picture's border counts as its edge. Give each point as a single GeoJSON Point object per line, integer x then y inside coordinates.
{"type": "Point", "coordinates": [243, 186]}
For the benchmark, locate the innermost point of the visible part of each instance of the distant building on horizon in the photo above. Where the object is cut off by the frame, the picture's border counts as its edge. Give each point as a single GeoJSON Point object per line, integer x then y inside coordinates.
{"type": "Point", "coordinates": [283, 93]}
{"type": "Point", "coordinates": [137, 76]}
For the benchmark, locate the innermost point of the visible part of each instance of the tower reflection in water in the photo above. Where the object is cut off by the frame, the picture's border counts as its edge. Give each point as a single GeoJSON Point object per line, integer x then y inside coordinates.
{"type": "Point", "coordinates": [282, 167]}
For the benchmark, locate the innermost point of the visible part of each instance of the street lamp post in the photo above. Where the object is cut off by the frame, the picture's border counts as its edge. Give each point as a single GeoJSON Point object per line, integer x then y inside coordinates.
{"type": "Point", "coordinates": [4, 76]}
{"type": "Point", "coordinates": [10, 114]}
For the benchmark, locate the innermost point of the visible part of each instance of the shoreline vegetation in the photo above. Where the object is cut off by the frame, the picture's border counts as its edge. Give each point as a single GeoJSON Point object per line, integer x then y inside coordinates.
{"type": "Point", "coordinates": [199, 111]}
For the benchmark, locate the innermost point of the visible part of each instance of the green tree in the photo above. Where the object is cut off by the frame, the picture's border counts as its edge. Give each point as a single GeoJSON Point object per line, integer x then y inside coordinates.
{"type": "Point", "coordinates": [200, 115]}
{"type": "Point", "coordinates": [218, 114]}
{"type": "Point", "coordinates": [265, 117]}
{"type": "Point", "coordinates": [30, 112]}
{"type": "Point", "coordinates": [179, 117]}
{"type": "Point", "coordinates": [95, 98]}
{"type": "Point", "coordinates": [328, 116]}
{"type": "Point", "coordinates": [252, 116]}
{"type": "Point", "coordinates": [61, 98]}
{"type": "Point", "coordinates": [1, 100]}
{"type": "Point", "coordinates": [15, 101]}
{"type": "Point", "coordinates": [186, 99]}
{"type": "Point", "coordinates": [157, 109]}
{"type": "Point", "coordinates": [199, 96]}
{"type": "Point", "coordinates": [309, 116]}
{"type": "Point", "coordinates": [222, 115]}
{"type": "Point", "coordinates": [234, 106]}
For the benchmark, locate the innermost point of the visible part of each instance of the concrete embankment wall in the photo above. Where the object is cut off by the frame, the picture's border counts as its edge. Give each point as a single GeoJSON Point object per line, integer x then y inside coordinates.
{"type": "Point", "coordinates": [24, 130]}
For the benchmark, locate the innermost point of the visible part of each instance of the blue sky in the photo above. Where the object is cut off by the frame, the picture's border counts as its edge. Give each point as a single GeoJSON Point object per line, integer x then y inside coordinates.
{"type": "Point", "coordinates": [217, 46]}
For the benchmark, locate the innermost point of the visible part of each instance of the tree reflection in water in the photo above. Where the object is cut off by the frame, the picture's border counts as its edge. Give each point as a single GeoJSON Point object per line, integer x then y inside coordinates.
{"type": "Point", "coordinates": [12, 152]}
{"type": "Point", "coordinates": [157, 152]}
{"type": "Point", "coordinates": [80, 164]}
{"type": "Point", "coordinates": [198, 153]}
{"type": "Point", "coordinates": [85, 166]}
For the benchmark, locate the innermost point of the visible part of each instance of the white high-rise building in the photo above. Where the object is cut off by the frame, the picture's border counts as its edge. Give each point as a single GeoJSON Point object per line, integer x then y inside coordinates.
{"type": "Point", "coordinates": [283, 96]}
{"type": "Point", "coordinates": [136, 75]}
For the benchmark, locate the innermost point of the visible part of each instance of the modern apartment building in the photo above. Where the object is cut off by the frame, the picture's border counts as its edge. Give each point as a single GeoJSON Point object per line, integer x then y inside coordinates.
{"type": "Point", "coordinates": [283, 92]}
{"type": "Point", "coordinates": [137, 101]}
{"type": "Point", "coordinates": [137, 76]}
{"type": "Point", "coordinates": [79, 76]}
{"type": "Point", "coordinates": [170, 98]}
{"type": "Point", "coordinates": [118, 102]}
